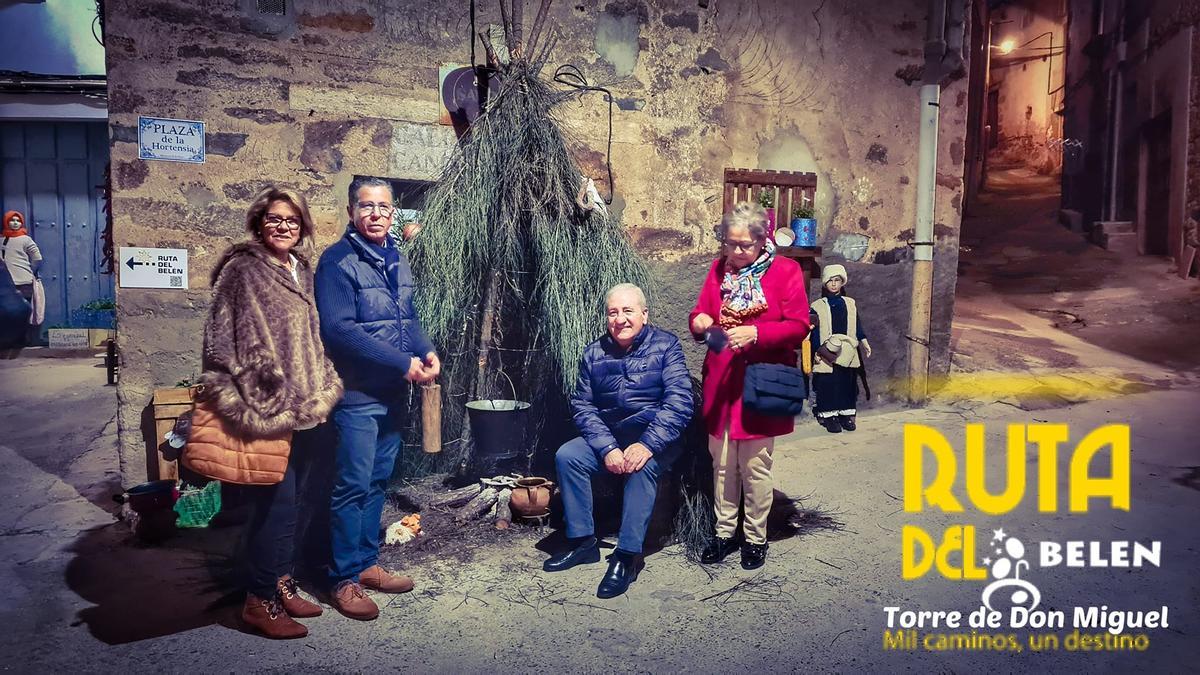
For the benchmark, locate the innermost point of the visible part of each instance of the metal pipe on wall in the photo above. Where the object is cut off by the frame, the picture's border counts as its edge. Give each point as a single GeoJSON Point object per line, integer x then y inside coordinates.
{"type": "Point", "coordinates": [1115, 149]}
{"type": "Point", "coordinates": [935, 33]}
{"type": "Point", "coordinates": [1109, 171]}
{"type": "Point", "coordinates": [922, 283]}
{"type": "Point", "coordinates": [1117, 96]}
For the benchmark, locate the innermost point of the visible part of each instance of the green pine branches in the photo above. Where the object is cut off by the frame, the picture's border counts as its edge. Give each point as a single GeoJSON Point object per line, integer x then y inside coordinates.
{"type": "Point", "coordinates": [511, 273]}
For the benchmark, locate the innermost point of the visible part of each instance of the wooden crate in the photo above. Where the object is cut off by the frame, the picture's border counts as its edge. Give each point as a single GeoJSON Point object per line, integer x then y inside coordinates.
{"type": "Point", "coordinates": [168, 405]}
{"type": "Point", "coordinates": [789, 189]}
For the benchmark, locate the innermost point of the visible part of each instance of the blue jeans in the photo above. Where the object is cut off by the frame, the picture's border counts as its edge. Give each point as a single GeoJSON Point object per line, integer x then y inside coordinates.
{"type": "Point", "coordinates": [368, 442]}
{"type": "Point", "coordinates": [577, 463]}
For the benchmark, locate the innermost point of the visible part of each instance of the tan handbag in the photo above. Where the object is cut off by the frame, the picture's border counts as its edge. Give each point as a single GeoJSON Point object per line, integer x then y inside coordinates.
{"type": "Point", "coordinates": [216, 450]}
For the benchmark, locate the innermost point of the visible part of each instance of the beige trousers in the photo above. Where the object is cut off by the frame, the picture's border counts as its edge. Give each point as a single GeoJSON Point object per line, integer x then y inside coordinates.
{"type": "Point", "coordinates": [742, 472]}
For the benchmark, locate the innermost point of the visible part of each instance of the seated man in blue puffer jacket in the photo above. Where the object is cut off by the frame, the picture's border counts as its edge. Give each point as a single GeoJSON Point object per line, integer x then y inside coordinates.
{"type": "Point", "coordinates": [632, 403]}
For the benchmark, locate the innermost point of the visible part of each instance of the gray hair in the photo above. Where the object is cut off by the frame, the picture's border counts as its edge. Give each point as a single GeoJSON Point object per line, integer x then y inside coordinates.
{"type": "Point", "coordinates": [637, 292]}
{"type": "Point", "coordinates": [360, 182]}
{"type": "Point", "coordinates": [744, 214]}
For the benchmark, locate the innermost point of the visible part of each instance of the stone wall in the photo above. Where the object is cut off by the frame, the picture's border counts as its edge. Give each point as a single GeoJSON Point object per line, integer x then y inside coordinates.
{"type": "Point", "coordinates": [1158, 80]}
{"type": "Point", "coordinates": [344, 87]}
{"type": "Point", "coordinates": [1192, 207]}
{"type": "Point", "coordinates": [1164, 88]}
{"type": "Point", "coordinates": [1086, 115]}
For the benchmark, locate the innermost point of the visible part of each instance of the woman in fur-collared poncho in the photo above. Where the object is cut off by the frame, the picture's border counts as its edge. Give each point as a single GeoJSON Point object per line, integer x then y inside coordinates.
{"type": "Point", "coordinates": [266, 375]}
{"type": "Point", "coordinates": [265, 367]}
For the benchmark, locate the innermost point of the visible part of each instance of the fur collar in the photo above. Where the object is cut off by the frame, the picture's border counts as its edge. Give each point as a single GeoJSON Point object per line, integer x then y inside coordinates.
{"type": "Point", "coordinates": [252, 249]}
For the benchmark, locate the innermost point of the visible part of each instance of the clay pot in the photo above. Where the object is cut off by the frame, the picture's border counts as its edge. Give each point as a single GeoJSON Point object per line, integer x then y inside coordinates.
{"type": "Point", "coordinates": [531, 497]}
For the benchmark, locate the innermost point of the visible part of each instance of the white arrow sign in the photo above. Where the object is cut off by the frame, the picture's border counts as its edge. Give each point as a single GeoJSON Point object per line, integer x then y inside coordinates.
{"type": "Point", "coordinates": [154, 267]}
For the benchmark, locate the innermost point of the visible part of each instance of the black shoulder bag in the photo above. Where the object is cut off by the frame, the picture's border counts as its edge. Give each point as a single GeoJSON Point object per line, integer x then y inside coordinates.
{"type": "Point", "coordinates": [774, 389]}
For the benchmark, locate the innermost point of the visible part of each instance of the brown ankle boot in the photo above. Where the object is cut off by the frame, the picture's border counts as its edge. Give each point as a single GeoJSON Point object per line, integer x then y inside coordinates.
{"type": "Point", "coordinates": [349, 599]}
{"type": "Point", "coordinates": [378, 579]}
{"type": "Point", "coordinates": [294, 604]}
{"type": "Point", "coordinates": [268, 618]}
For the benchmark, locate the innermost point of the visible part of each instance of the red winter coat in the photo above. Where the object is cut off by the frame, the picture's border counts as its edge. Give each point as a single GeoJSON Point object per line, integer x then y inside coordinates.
{"type": "Point", "coordinates": [781, 329]}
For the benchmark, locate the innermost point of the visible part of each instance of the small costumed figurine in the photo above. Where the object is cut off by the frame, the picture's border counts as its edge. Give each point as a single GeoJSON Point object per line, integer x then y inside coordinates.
{"type": "Point", "coordinates": [838, 347]}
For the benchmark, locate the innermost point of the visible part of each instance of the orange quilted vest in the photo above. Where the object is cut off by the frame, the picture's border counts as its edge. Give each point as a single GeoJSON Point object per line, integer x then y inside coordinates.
{"type": "Point", "coordinates": [216, 450]}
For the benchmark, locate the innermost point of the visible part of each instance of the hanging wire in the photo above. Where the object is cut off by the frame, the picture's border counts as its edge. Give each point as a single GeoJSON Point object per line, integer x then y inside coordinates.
{"type": "Point", "coordinates": [571, 76]}
{"type": "Point", "coordinates": [473, 38]}
{"type": "Point", "coordinates": [98, 23]}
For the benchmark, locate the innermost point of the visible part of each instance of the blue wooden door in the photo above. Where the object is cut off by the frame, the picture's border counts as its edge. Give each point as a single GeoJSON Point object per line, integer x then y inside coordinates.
{"type": "Point", "coordinates": [51, 172]}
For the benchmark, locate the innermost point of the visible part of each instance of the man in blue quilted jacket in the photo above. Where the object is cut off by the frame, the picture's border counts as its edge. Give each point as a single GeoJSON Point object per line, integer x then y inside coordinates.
{"type": "Point", "coordinates": [364, 292]}
{"type": "Point", "coordinates": [632, 402]}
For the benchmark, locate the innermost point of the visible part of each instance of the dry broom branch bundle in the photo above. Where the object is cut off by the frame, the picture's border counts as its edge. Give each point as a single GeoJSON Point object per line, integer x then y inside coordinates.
{"type": "Point", "coordinates": [511, 273]}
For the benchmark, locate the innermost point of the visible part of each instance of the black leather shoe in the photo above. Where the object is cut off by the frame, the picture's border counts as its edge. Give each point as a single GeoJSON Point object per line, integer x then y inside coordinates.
{"type": "Point", "coordinates": [847, 422]}
{"type": "Point", "coordinates": [831, 424]}
{"type": "Point", "coordinates": [622, 571]}
{"type": "Point", "coordinates": [718, 550]}
{"type": "Point", "coordinates": [753, 556]}
{"type": "Point", "coordinates": [588, 552]}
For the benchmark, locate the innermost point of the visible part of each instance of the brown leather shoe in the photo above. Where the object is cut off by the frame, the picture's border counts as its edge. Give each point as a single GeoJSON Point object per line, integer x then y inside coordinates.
{"type": "Point", "coordinates": [268, 618]}
{"type": "Point", "coordinates": [349, 599]}
{"type": "Point", "coordinates": [378, 579]}
{"type": "Point", "coordinates": [294, 604]}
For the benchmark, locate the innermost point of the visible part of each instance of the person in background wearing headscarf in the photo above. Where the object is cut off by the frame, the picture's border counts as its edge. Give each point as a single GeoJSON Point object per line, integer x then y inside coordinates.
{"type": "Point", "coordinates": [20, 254]}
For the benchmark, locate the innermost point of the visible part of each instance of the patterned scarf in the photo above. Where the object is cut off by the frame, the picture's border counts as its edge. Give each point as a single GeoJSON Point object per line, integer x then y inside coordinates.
{"type": "Point", "coordinates": [742, 294]}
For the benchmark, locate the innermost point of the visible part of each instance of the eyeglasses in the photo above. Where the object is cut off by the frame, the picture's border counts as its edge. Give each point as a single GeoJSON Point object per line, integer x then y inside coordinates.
{"type": "Point", "coordinates": [382, 208]}
{"type": "Point", "coordinates": [744, 246]}
{"type": "Point", "coordinates": [279, 222]}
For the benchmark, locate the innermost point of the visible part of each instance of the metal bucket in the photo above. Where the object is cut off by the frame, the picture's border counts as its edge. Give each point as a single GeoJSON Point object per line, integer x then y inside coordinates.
{"type": "Point", "coordinates": [158, 495]}
{"type": "Point", "coordinates": [498, 427]}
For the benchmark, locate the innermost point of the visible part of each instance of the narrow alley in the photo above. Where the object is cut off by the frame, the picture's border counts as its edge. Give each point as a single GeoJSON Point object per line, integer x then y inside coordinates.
{"type": "Point", "coordinates": [1036, 299]}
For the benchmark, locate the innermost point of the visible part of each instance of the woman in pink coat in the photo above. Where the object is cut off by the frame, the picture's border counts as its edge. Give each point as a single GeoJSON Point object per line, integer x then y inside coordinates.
{"type": "Point", "coordinates": [753, 303]}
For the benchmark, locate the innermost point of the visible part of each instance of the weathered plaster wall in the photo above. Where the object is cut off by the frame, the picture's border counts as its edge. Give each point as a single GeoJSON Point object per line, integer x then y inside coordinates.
{"type": "Point", "coordinates": [345, 87]}
{"type": "Point", "coordinates": [1086, 115]}
{"type": "Point", "coordinates": [1160, 71]}
{"type": "Point", "coordinates": [1171, 73]}
{"type": "Point", "coordinates": [1191, 236]}
{"type": "Point", "coordinates": [1164, 87]}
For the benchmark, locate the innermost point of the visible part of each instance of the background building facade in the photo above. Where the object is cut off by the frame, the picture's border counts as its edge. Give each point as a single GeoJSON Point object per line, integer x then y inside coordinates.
{"type": "Point", "coordinates": [1133, 110]}
{"type": "Point", "coordinates": [311, 94]}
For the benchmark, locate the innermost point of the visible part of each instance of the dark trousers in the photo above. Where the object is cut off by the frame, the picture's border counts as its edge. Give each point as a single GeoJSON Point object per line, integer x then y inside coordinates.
{"type": "Point", "coordinates": [368, 443]}
{"type": "Point", "coordinates": [577, 463]}
{"type": "Point", "coordinates": [33, 333]}
{"type": "Point", "coordinates": [836, 392]}
{"type": "Point", "coordinates": [270, 536]}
